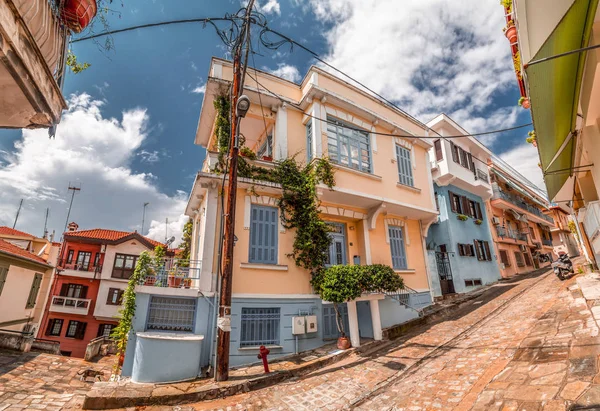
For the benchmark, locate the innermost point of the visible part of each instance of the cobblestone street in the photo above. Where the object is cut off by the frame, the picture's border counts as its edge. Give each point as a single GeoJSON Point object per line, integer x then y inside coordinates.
{"type": "Point", "coordinates": [35, 381]}
{"type": "Point", "coordinates": [531, 344]}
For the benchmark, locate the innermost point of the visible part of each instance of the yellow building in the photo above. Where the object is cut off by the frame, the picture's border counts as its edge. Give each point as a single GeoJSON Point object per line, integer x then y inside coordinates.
{"type": "Point", "coordinates": [379, 210]}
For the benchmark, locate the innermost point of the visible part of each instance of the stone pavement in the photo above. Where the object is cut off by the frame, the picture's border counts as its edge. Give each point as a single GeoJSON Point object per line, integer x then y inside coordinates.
{"type": "Point", "coordinates": [448, 364]}
{"type": "Point", "coordinates": [35, 381]}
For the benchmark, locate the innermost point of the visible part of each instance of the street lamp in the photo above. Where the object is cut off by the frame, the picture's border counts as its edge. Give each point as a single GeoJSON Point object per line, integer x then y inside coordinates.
{"type": "Point", "coordinates": [243, 105]}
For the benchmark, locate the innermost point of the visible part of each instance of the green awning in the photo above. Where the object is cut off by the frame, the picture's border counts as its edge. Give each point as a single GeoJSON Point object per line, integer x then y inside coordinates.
{"type": "Point", "coordinates": [554, 87]}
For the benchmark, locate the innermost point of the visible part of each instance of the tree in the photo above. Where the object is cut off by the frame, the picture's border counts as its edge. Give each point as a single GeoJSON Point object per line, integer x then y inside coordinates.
{"type": "Point", "coordinates": [342, 283]}
{"type": "Point", "coordinates": [186, 243]}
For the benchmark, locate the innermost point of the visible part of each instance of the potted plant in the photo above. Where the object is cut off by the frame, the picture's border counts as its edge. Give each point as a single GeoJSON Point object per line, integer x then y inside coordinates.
{"type": "Point", "coordinates": [267, 158]}
{"type": "Point", "coordinates": [78, 14]}
{"type": "Point", "coordinates": [462, 217]}
{"type": "Point", "coordinates": [532, 139]}
{"type": "Point", "coordinates": [511, 32]}
{"type": "Point", "coordinates": [342, 283]}
{"type": "Point", "coordinates": [247, 153]}
{"type": "Point", "coordinates": [525, 103]}
{"type": "Point", "coordinates": [507, 4]}
{"type": "Point", "coordinates": [175, 279]}
{"type": "Point", "coordinates": [478, 221]}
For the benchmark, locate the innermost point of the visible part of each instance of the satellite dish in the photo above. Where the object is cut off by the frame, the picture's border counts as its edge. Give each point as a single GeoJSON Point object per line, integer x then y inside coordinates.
{"type": "Point", "coordinates": [170, 240]}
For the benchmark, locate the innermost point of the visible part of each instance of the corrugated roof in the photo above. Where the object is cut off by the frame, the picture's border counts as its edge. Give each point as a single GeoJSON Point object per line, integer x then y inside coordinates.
{"type": "Point", "coordinates": [108, 235]}
{"type": "Point", "coordinates": [8, 248]}
{"type": "Point", "coordinates": [4, 230]}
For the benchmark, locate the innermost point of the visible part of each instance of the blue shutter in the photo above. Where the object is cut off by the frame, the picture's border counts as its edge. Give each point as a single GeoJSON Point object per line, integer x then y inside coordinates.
{"type": "Point", "coordinates": [263, 235]}
{"type": "Point", "coordinates": [309, 149]}
{"type": "Point", "coordinates": [405, 174]}
{"type": "Point", "coordinates": [397, 248]}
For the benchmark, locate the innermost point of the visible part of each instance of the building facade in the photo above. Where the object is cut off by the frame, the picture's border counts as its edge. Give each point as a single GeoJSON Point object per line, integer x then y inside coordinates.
{"type": "Point", "coordinates": [522, 230]}
{"type": "Point", "coordinates": [93, 269]}
{"type": "Point", "coordinates": [460, 244]}
{"type": "Point", "coordinates": [379, 212]}
{"type": "Point", "coordinates": [563, 239]}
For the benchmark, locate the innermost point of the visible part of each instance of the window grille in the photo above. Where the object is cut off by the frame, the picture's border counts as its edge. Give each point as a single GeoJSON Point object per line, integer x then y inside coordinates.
{"type": "Point", "coordinates": [348, 146]}
{"type": "Point", "coordinates": [171, 314]}
{"type": "Point", "coordinates": [260, 326]}
{"type": "Point", "coordinates": [405, 175]}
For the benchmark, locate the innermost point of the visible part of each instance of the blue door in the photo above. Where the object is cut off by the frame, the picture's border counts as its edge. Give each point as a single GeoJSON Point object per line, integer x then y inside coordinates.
{"type": "Point", "coordinates": [337, 248]}
{"type": "Point", "coordinates": [330, 330]}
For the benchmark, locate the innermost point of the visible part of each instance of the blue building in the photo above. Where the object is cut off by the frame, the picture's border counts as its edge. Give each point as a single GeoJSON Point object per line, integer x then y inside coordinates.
{"type": "Point", "coordinates": [460, 245]}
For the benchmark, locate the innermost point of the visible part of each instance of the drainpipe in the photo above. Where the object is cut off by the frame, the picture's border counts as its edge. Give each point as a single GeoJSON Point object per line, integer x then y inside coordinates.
{"type": "Point", "coordinates": [427, 269]}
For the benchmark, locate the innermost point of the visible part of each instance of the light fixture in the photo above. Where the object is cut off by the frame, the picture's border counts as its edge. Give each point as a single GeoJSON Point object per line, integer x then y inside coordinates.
{"type": "Point", "coordinates": [243, 105]}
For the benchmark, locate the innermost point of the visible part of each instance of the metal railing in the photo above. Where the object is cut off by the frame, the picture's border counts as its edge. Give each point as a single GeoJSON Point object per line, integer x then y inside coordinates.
{"type": "Point", "coordinates": [516, 200]}
{"type": "Point", "coordinates": [174, 273]}
{"type": "Point", "coordinates": [407, 297]}
{"type": "Point", "coordinates": [64, 265]}
{"type": "Point", "coordinates": [70, 302]}
{"type": "Point", "coordinates": [480, 175]}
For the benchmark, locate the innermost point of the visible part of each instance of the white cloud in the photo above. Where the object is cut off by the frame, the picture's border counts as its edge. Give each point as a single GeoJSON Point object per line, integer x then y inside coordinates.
{"type": "Point", "coordinates": [149, 156]}
{"type": "Point", "coordinates": [159, 230]}
{"type": "Point", "coordinates": [270, 7]}
{"type": "Point", "coordinates": [199, 89]}
{"type": "Point", "coordinates": [285, 71]}
{"type": "Point", "coordinates": [90, 150]}
{"type": "Point", "coordinates": [524, 158]}
{"type": "Point", "coordinates": [429, 56]}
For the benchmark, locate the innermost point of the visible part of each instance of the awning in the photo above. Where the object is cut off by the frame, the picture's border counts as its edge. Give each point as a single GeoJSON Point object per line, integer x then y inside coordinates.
{"type": "Point", "coordinates": [554, 87]}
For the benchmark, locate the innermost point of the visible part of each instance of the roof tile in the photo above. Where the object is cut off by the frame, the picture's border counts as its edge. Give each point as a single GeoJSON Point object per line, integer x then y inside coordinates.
{"type": "Point", "coordinates": [108, 235]}
{"type": "Point", "coordinates": [4, 230]}
{"type": "Point", "coordinates": [12, 249]}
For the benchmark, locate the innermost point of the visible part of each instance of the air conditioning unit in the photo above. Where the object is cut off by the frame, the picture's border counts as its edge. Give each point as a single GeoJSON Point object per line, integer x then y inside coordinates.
{"type": "Point", "coordinates": [298, 325]}
{"type": "Point", "coordinates": [311, 324]}
{"type": "Point", "coordinates": [495, 220]}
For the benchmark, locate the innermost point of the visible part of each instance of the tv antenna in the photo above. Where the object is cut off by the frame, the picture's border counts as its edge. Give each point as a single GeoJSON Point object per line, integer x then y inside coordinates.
{"type": "Point", "coordinates": [74, 188]}
{"type": "Point", "coordinates": [144, 217]}
{"type": "Point", "coordinates": [46, 223]}
{"type": "Point", "coordinates": [18, 212]}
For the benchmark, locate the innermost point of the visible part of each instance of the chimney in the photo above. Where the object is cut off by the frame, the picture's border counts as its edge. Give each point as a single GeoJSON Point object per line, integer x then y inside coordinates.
{"type": "Point", "coordinates": [73, 226]}
{"type": "Point", "coordinates": [52, 236]}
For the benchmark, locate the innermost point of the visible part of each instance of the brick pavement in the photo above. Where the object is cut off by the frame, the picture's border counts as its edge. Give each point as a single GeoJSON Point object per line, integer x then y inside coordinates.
{"type": "Point", "coordinates": [446, 365]}
{"type": "Point", "coordinates": [35, 381]}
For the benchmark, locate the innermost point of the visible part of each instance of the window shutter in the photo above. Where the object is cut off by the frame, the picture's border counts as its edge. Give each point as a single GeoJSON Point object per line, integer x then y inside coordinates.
{"type": "Point", "coordinates": [3, 275]}
{"type": "Point", "coordinates": [263, 235]}
{"type": "Point", "coordinates": [471, 164]}
{"type": "Point", "coordinates": [64, 290]}
{"type": "Point", "coordinates": [80, 333]}
{"type": "Point", "coordinates": [452, 203]}
{"type": "Point", "coordinates": [461, 251]}
{"type": "Point", "coordinates": [477, 250]}
{"type": "Point", "coordinates": [478, 209]}
{"type": "Point", "coordinates": [49, 327]}
{"type": "Point", "coordinates": [488, 254]}
{"type": "Point", "coordinates": [454, 152]}
{"type": "Point", "coordinates": [397, 248]}
{"type": "Point", "coordinates": [471, 250]}
{"type": "Point", "coordinates": [84, 291]}
{"type": "Point", "coordinates": [437, 144]}
{"type": "Point", "coordinates": [465, 205]}
{"type": "Point", "coordinates": [33, 292]}
{"type": "Point", "coordinates": [403, 160]}
{"type": "Point", "coordinates": [309, 149]}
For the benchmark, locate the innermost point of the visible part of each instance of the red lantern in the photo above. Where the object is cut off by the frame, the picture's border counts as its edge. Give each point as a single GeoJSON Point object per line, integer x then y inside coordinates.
{"type": "Point", "coordinates": [77, 14]}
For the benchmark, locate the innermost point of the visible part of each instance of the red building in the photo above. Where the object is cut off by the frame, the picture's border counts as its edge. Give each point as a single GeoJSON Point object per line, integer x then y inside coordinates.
{"type": "Point", "coordinates": [93, 269]}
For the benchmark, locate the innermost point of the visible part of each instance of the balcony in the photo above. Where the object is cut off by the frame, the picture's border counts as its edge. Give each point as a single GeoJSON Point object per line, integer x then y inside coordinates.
{"type": "Point", "coordinates": [476, 182]}
{"type": "Point", "coordinates": [514, 200]}
{"type": "Point", "coordinates": [505, 234]}
{"type": "Point", "coordinates": [547, 242]}
{"type": "Point", "coordinates": [69, 305]}
{"type": "Point", "coordinates": [174, 273]}
{"type": "Point", "coordinates": [79, 270]}
{"type": "Point", "coordinates": [480, 175]}
{"type": "Point", "coordinates": [32, 51]}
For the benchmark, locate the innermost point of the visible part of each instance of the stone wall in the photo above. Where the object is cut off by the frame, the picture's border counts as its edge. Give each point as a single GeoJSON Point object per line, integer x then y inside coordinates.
{"type": "Point", "coordinates": [16, 341]}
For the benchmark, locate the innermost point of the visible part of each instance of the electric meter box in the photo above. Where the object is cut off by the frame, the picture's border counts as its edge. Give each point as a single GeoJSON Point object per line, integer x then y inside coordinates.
{"type": "Point", "coordinates": [298, 325]}
{"type": "Point", "coordinates": [311, 324]}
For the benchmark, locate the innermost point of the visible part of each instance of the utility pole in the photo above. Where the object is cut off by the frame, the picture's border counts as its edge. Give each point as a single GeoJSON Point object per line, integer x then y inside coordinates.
{"type": "Point", "coordinates": [46, 223]}
{"type": "Point", "coordinates": [18, 212]}
{"type": "Point", "coordinates": [224, 318]}
{"type": "Point", "coordinates": [166, 228]}
{"type": "Point", "coordinates": [144, 217]}
{"type": "Point", "coordinates": [74, 189]}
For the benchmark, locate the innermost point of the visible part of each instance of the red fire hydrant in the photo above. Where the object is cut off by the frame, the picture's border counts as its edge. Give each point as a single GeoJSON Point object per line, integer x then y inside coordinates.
{"type": "Point", "coordinates": [264, 351]}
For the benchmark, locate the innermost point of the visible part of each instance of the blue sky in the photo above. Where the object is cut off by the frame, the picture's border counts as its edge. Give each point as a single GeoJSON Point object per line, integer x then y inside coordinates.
{"type": "Point", "coordinates": [429, 56]}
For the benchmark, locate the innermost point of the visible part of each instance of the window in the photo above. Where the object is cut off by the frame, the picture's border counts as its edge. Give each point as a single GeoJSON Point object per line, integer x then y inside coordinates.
{"type": "Point", "coordinates": [337, 248]}
{"type": "Point", "coordinates": [348, 145]}
{"type": "Point", "coordinates": [259, 326]}
{"type": "Point", "coordinates": [3, 275]}
{"type": "Point", "coordinates": [266, 148]}
{"type": "Point", "coordinates": [35, 289]}
{"type": "Point", "coordinates": [456, 203]}
{"type": "Point", "coordinates": [104, 330]}
{"type": "Point", "coordinates": [462, 205]}
{"type": "Point", "coordinates": [482, 249]}
{"type": "Point", "coordinates": [171, 314]}
{"type": "Point", "coordinates": [462, 157]}
{"type": "Point", "coordinates": [76, 329]}
{"type": "Point", "coordinates": [263, 235]}
{"type": "Point", "coordinates": [309, 148]}
{"type": "Point", "coordinates": [519, 259]}
{"type": "Point", "coordinates": [405, 175]}
{"type": "Point", "coordinates": [504, 258]}
{"type": "Point", "coordinates": [397, 248]}
{"type": "Point", "coordinates": [70, 256]}
{"type": "Point", "coordinates": [124, 266]}
{"type": "Point", "coordinates": [73, 290]}
{"type": "Point", "coordinates": [115, 296]}
{"type": "Point", "coordinates": [54, 327]}
{"type": "Point", "coordinates": [437, 145]}
{"type": "Point", "coordinates": [83, 260]}
{"type": "Point", "coordinates": [528, 261]}
{"type": "Point", "coordinates": [97, 260]}
{"type": "Point", "coordinates": [532, 232]}
{"type": "Point", "coordinates": [477, 281]}
{"type": "Point", "coordinates": [466, 250]}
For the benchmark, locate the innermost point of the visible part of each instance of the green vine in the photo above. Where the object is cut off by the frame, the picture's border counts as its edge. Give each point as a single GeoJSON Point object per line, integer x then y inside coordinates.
{"type": "Point", "coordinates": [121, 332]}
{"type": "Point", "coordinates": [186, 244]}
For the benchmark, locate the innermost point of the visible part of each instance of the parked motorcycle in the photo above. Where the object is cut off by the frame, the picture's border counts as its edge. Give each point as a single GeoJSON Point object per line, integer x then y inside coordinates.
{"type": "Point", "coordinates": [563, 267]}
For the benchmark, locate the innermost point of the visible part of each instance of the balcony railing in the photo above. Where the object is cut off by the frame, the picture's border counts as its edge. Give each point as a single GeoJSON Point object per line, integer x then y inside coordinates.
{"type": "Point", "coordinates": [63, 265]}
{"type": "Point", "coordinates": [480, 175]}
{"type": "Point", "coordinates": [547, 242]}
{"type": "Point", "coordinates": [174, 273]}
{"type": "Point", "coordinates": [522, 237]}
{"type": "Point", "coordinates": [516, 200]}
{"type": "Point", "coordinates": [70, 304]}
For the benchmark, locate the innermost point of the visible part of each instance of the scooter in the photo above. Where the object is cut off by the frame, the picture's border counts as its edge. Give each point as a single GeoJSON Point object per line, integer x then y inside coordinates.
{"type": "Point", "coordinates": [563, 267]}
